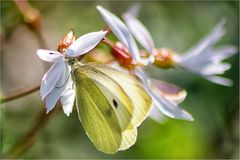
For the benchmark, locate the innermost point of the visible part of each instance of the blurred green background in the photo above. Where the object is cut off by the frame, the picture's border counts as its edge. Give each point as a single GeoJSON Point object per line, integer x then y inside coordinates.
{"type": "Point", "coordinates": [177, 25]}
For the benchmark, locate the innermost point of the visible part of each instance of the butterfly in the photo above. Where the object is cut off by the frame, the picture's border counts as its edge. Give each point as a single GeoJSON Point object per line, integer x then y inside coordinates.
{"type": "Point", "coordinates": [110, 105]}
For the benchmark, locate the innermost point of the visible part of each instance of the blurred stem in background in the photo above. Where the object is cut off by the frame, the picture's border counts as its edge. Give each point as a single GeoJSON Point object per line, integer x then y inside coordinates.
{"type": "Point", "coordinates": [32, 19]}
{"type": "Point", "coordinates": [19, 93]}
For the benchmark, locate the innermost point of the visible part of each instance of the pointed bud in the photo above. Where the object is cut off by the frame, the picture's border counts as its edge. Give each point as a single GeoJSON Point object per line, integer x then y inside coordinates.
{"type": "Point", "coordinates": [66, 41]}
{"type": "Point", "coordinates": [123, 57]}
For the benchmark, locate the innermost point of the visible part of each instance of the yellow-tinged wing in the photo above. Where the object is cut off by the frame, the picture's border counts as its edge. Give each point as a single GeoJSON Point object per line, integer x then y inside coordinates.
{"type": "Point", "coordinates": [129, 137]}
{"type": "Point", "coordinates": [141, 100]}
{"type": "Point", "coordinates": [126, 98]}
{"type": "Point", "coordinates": [97, 116]}
{"type": "Point", "coordinates": [116, 96]}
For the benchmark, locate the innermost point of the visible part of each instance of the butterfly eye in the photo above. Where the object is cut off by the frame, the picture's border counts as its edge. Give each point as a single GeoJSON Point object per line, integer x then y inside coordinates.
{"type": "Point", "coordinates": [115, 103]}
{"type": "Point", "coordinates": [66, 41]}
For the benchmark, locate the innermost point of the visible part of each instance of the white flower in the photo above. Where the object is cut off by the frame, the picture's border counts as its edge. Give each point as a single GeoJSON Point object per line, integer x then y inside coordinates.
{"type": "Point", "coordinates": [57, 83]}
{"type": "Point", "coordinates": [203, 59]}
{"type": "Point", "coordinates": [165, 105]}
{"type": "Point", "coordinates": [124, 35]}
{"type": "Point", "coordinates": [140, 32]}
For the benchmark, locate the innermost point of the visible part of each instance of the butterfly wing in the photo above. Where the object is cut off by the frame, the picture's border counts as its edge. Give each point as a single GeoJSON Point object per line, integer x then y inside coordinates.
{"type": "Point", "coordinates": [129, 137]}
{"type": "Point", "coordinates": [141, 100]}
{"type": "Point", "coordinates": [116, 96]}
{"type": "Point", "coordinates": [125, 95]}
{"type": "Point", "coordinates": [97, 116]}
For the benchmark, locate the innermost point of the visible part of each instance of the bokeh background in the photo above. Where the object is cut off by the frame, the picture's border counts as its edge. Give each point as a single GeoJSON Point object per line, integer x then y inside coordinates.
{"type": "Point", "coordinates": [176, 25]}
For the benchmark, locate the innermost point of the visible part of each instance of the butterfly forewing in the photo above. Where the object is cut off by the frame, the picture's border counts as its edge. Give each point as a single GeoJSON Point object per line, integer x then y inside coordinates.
{"type": "Point", "coordinates": [141, 100]}
{"type": "Point", "coordinates": [97, 115]}
{"type": "Point", "coordinates": [116, 96]}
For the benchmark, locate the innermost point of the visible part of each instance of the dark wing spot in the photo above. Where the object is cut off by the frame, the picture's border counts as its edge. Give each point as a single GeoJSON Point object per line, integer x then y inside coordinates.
{"type": "Point", "coordinates": [50, 53]}
{"type": "Point", "coordinates": [115, 103]}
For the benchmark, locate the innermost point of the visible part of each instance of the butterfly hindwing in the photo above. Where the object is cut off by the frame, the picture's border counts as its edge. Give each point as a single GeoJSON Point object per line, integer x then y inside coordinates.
{"type": "Point", "coordinates": [129, 137]}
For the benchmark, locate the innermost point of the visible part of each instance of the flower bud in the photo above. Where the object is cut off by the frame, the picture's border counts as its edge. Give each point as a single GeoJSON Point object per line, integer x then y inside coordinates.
{"type": "Point", "coordinates": [164, 58]}
{"type": "Point", "coordinates": [124, 58]}
{"type": "Point", "coordinates": [66, 41]}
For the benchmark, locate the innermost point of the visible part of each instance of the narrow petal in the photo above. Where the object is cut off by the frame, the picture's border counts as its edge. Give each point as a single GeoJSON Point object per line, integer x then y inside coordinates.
{"type": "Point", "coordinates": [68, 95]}
{"type": "Point", "coordinates": [212, 69]}
{"type": "Point", "coordinates": [123, 34]}
{"type": "Point", "coordinates": [48, 55]}
{"type": "Point", "coordinates": [140, 32]}
{"type": "Point", "coordinates": [211, 39]}
{"type": "Point", "coordinates": [220, 80]}
{"type": "Point", "coordinates": [223, 52]}
{"type": "Point", "coordinates": [134, 9]}
{"type": "Point", "coordinates": [59, 89]}
{"type": "Point", "coordinates": [167, 107]}
{"type": "Point", "coordinates": [156, 115]}
{"type": "Point", "coordinates": [50, 78]}
{"type": "Point", "coordinates": [85, 43]}
{"type": "Point", "coordinates": [52, 98]}
{"type": "Point", "coordinates": [66, 74]}
{"type": "Point", "coordinates": [117, 26]}
{"type": "Point", "coordinates": [169, 91]}
{"type": "Point", "coordinates": [67, 101]}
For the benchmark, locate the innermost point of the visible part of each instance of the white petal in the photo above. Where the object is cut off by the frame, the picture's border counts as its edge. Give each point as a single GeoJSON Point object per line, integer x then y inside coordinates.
{"type": "Point", "coordinates": [223, 52]}
{"type": "Point", "coordinates": [140, 32]}
{"type": "Point", "coordinates": [68, 95]}
{"type": "Point", "coordinates": [52, 98]}
{"type": "Point", "coordinates": [85, 43]}
{"type": "Point", "coordinates": [117, 26]}
{"type": "Point", "coordinates": [166, 107]}
{"type": "Point", "coordinates": [169, 91]}
{"type": "Point", "coordinates": [62, 85]}
{"type": "Point", "coordinates": [50, 78]}
{"type": "Point", "coordinates": [134, 9]}
{"type": "Point", "coordinates": [66, 74]}
{"type": "Point", "coordinates": [215, 69]}
{"type": "Point", "coordinates": [48, 55]}
{"type": "Point", "coordinates": [220, 80]}
{"type": "Point", "coordinates": [156, 115]}
{"type": "Point", "coordinates": [123, 34]}
{"type": "Point", "coordinates": [211, 39]}
{"type": "Point", "coordinates": [169, 108]}
{"type": "Point", "coordinates": [67, 101]}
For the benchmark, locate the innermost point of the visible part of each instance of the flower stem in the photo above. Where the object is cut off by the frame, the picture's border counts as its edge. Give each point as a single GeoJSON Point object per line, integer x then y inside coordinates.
{"type": "Point", "coordinates": [19, 93]}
